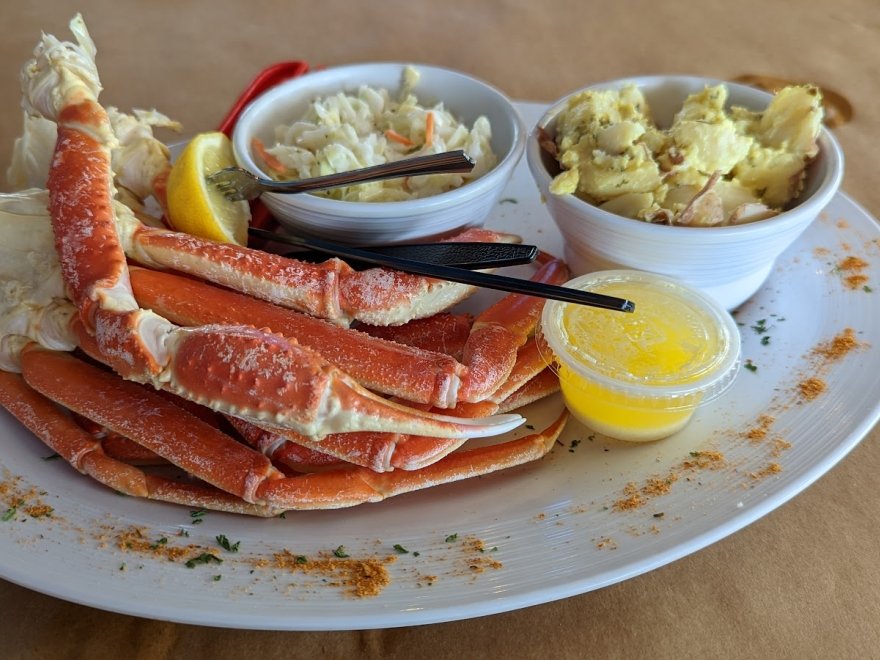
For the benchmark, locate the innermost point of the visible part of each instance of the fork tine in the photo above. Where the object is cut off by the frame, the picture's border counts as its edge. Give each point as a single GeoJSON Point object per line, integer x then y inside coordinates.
{"type": "Point", "coordinates": [231, 184]}
{"type": "Point", "coordinates": [232, 194]}
{"type": "Point", "coordinates": [222, 186]}
{"type": "Point", "coordinates": [216, 177]}
{"type": "Point", "coordinates": [229, 192]}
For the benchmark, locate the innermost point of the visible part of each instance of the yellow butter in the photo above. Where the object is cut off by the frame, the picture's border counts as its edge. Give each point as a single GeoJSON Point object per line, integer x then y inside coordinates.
{"type": "Point", "coordinates": [640, 376]}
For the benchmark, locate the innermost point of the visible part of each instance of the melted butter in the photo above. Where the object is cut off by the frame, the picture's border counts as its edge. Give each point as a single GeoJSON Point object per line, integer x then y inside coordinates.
{"type": "Point", "coordinates": [618, 415]}
{"type": "Point", "coordinates": [669, 341]}
{"type": "Point", "coordinates": [666, 341]}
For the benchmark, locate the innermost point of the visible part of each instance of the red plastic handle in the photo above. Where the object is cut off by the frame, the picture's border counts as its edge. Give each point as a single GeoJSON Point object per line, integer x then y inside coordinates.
{"type": "Point", "coordinates": [267, 78]}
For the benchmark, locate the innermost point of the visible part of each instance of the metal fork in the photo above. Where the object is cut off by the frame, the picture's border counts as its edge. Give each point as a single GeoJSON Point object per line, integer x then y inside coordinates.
{"type": "Point", "coordinates": [238, 184]}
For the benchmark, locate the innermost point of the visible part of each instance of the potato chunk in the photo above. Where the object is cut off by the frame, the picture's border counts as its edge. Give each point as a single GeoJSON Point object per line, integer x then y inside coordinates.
{"type": "Point", "coordinates": [711, 166]}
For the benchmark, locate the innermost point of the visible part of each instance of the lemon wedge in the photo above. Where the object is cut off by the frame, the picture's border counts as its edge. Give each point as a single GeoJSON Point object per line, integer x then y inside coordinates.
{"type": "Point", "coordinates": [194, 206]}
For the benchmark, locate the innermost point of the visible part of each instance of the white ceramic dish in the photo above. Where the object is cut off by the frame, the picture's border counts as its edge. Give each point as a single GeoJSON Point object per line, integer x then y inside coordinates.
{"type": "Point", "coordinates": [386, 222]}
{"type": "Point", "coordinates": [727, 263]}
{"type": "Point", "coordinates": [553, 535]}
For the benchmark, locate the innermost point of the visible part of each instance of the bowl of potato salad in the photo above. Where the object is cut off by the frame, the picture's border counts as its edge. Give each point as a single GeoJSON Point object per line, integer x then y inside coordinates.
{"type": "Point", "coordinates": [360, 115]}
{"type": "Point", "coordinates": [695, 178]}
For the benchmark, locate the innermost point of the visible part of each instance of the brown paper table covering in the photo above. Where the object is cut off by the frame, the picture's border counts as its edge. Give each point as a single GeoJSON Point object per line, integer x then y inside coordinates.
{"type": "Point", "coordinates": [802, 582]}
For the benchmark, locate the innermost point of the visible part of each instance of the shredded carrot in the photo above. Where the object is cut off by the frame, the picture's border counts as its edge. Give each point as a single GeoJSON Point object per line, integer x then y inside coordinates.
{"type": "Point", "coordinates": [429, 129]}
{"type": "Point", "coordinates": [271, 161]}
{"type": "Point", "coordinates": [391, 134]}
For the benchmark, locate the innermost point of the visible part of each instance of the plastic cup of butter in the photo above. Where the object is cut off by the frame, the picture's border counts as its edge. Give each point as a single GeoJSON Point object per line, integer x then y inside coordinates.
{"type": "Point", "coordinates": [639, 377]}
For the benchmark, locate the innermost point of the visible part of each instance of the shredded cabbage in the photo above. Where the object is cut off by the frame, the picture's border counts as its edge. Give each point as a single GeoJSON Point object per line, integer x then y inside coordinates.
{"type": "Point", "coordinates": [343, 132]}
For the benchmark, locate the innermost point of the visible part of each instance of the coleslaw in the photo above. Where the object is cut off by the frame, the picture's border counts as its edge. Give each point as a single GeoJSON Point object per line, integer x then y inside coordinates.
{"type": "Point", "coordinates": [346, 131]}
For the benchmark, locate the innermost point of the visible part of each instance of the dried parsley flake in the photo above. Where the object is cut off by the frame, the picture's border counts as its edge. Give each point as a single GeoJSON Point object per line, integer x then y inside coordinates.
{"type": "Point", "coordinates": [204, 558]}
{"type": "Point", "coordinates": [224, 543]}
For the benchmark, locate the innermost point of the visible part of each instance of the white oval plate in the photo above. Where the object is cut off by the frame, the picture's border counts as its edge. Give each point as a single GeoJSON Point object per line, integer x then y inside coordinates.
{"type": "Point", "coordinates": [547, 531]}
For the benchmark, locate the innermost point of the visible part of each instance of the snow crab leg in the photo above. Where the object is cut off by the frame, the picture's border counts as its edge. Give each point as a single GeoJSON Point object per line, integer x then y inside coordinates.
{"type": "Point", "coordinates": [246, 479]}
{"type": "Point", "coordinates": [63, 435]}
{"type": "Point", "coordinates": [329, 290]}
{"type": "Point", "coordinates": [383, 366]}
{"type": "Point", "coordinates": [378, 451]}
{"type": "Point", "coordinates": [489, 353]}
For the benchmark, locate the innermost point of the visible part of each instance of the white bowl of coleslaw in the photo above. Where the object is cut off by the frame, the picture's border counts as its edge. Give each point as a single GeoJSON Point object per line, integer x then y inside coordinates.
{"type": "Point", "coordinates": [364, 114]}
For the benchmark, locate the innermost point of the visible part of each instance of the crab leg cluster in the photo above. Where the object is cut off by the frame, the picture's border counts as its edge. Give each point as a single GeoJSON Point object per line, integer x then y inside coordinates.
{"type": "Point", "coordinates": [379, 416]}
{"type": "Point", "coordinates": [241, 370]}
{"type": "Point", "coordinates": [240, 480]}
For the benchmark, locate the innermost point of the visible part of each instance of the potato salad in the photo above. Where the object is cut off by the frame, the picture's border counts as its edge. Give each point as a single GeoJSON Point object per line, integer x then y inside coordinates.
{"type": "Point", "coordinates": [346, 131]}
{"type": "Point", "coordinates": [712, 166]}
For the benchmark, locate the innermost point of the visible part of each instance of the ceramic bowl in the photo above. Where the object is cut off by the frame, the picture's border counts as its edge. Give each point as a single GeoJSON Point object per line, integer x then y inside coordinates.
{"type": "Point", "coordinates": [729, 263]}
{"type": "Point", "coordinates": [373, 223]}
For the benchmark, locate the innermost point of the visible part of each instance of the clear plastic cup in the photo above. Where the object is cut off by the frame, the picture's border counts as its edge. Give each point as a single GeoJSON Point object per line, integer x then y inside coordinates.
{"type": "Point", "coordinates": [640, 376]}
